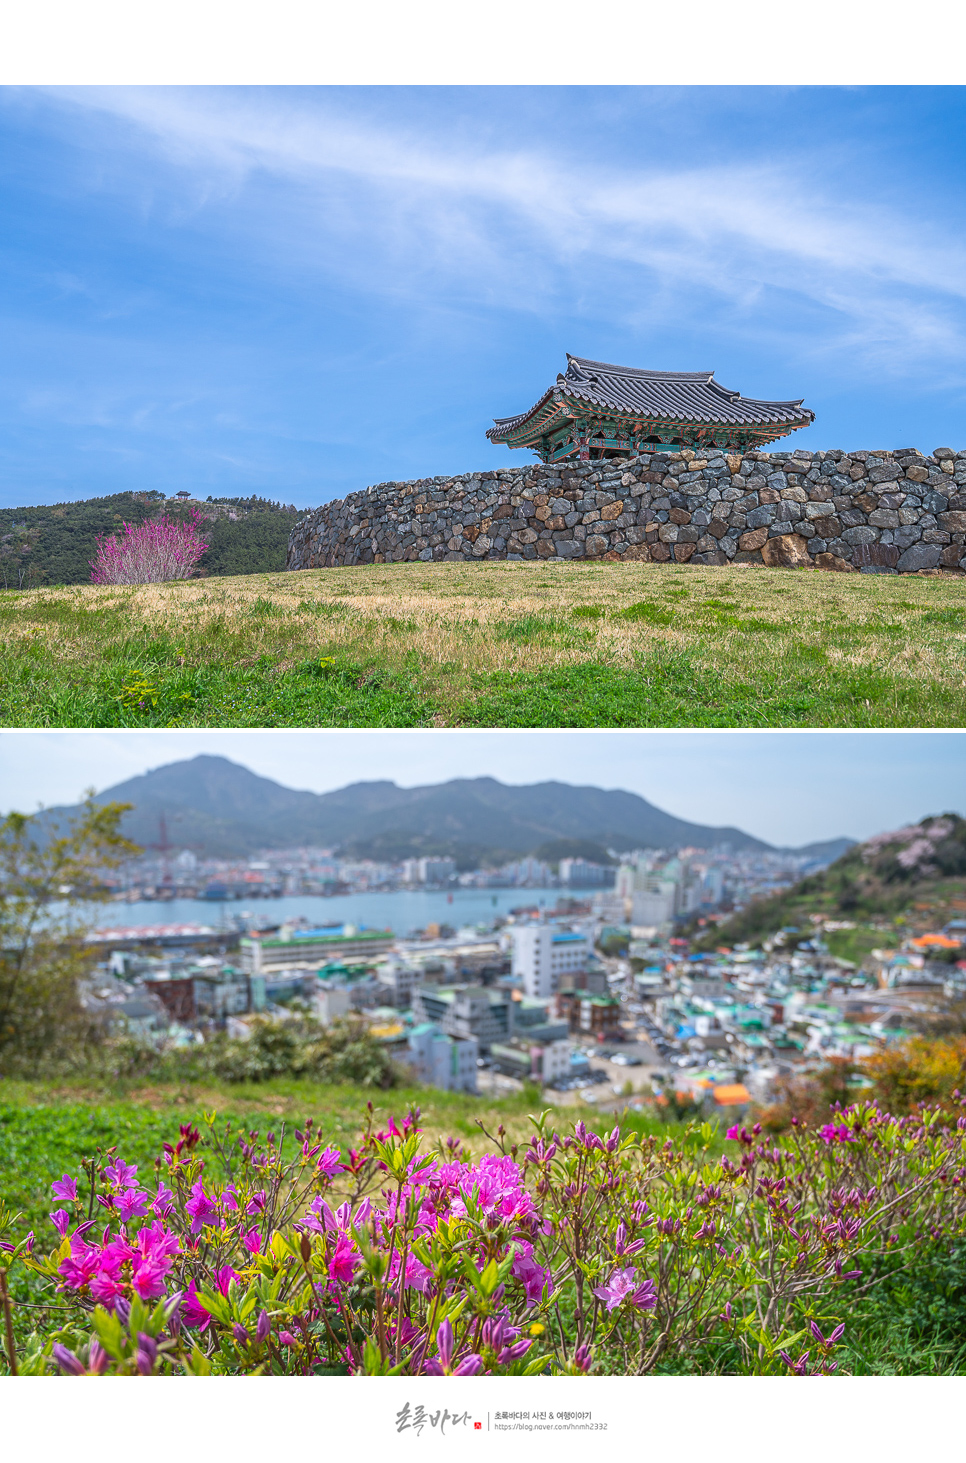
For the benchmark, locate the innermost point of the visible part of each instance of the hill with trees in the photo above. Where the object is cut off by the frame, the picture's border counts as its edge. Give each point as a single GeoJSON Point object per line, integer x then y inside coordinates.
{"type": "Point", "coordinates": [922, 864]}
{"type": "Point", "coordinates": [55, 544]}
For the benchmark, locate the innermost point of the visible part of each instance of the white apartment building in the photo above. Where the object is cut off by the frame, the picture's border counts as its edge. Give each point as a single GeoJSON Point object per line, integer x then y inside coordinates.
{"type": "Point", "coordinates": [654, 901]}
{"type": "Point", "coordinates": [611, 908]}
{"type": "Point", "coordinates": [580, 874]}
{"type": "Point", "coordinates": [542, 954]}
{"type": "Point", "coordinates": [435, 870]}
{"type": "Point", "coordinates": [331, 1002]}
{"type": "Point", "coordinates": [399, 980]}
{"type": "Point", "coordinates": [444, 1061]}
{"type": "Point", "coordinates": [555, 1062]}
{"type": "Point", "coordinates": [653, 896]}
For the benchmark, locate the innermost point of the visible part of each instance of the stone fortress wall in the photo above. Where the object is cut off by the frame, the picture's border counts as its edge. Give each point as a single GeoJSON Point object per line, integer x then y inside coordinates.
{"type": "Point", "coordinates": [875, 512]}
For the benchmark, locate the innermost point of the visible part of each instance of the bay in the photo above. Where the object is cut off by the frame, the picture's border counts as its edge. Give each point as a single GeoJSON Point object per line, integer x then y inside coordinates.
{"type": "Point", "coordinates": [402, 910]}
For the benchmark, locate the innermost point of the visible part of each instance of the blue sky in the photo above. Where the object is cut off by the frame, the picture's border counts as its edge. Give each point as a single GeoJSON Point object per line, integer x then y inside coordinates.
{"type": "Point", "coordinates": [789, 788]}
{"type": "Point", "coordinates": [297, 292]}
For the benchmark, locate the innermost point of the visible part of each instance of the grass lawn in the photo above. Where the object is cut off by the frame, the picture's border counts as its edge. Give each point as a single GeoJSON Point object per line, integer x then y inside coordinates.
{"type": "Point", "coordinates": [491, 644]}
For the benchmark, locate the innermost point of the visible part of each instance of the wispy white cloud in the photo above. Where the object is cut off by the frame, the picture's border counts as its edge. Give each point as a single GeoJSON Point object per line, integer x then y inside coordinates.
{"type": "Point", "coordinates": [520, 226]}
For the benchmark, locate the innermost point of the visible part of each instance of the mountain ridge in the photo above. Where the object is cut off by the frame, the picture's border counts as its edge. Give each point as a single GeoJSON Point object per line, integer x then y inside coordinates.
{"type": "Point", "coordinates": [218, 808]}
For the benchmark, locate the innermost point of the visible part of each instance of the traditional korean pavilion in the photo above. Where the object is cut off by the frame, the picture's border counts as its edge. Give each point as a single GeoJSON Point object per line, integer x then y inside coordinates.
{"type": "Point", "coordinates": [595, 411]}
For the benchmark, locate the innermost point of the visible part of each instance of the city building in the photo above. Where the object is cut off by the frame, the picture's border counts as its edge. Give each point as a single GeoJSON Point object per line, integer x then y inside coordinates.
{"type": "Point", "coordinates": [399, 981]}
{"type": "Point", "coordinates": [611, 908]}
{"type": "Point", "coordinates": [533, 1023]}
{"type": "Point", "coordinates": [465, 1011]}
{"type": "Point", "coordinates": [593, 1015]}
{"type": "Point", "coordinates": [580, 874]}
{"type": "Point", "coordinates": [542, 954]}
{"type": "Point", "coordinates": [331, 1002]}
{"type": "Point", "coordinates": [295, 948]}
{"type": "Point", "coordinates": [428, 870]}
{"type": "Point", "coordinates": [441, 1060]}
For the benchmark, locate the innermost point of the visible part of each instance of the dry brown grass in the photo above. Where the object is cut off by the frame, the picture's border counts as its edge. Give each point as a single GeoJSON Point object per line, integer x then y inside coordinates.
{"type": "Point", "coordinates": [449, 623]}
{"type": "Point", "coordinates": [453, 614]}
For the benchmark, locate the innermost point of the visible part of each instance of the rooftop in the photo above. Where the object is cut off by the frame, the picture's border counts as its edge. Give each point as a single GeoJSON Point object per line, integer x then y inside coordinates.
{"type": "Point", "coordinates": [684, 397]}
{"type": "Point", "coordinates": [325, 936]}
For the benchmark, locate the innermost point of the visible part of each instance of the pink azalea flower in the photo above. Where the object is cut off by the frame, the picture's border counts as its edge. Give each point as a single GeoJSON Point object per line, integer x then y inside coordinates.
{"type": "Point", "coordinates": [256, 1203]}
{"type": "Point", "coordinates": [65, 1189]}
{"type": "Point", "coordinates": [163, 1202]}
{"type": "Point", "coordinates": [330, 1162]}
{"type": "Point", "coordinates": [157, 1243]}
{"type": "Point", "coordinates": [252, 1241]}
{"type": "Point", "coordinates": [622, 1286]}
{"type": "Point", "coordinates": [78, 1268]}
{"type": "Point", "coordinates": [532, 1276]}
{"type": "Point", "coordinates": [106, 1289]}
{"type": "Point", "coordinates": [120, 1174]}
{"type": "Point", "coordinates": [115, 1255]}
{"type": "Point", "coordinates": [60, 1219]}
{"type": "Point", "coordinates": [390, 1132]}
{"type": "Point", "coordinates": [192, 1311]}
{"type": "Point", "coordinates": [344, 1261]}
{"type": "Point", "coordinates": [224, 1277]}
{"type": "Point", "coordinates": [132, 1204]}
{"type": "Point", "coordinates": [200, 1207]}
{"type": "Point", "coordinates": [836, 1134]}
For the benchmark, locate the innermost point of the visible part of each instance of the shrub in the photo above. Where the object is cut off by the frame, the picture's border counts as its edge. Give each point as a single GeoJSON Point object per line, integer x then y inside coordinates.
{"type": "Point", "coordinates": [299, 1047]}
{"type": "Point", "coordinates": [569, 1254]}
{"type": "Point", "coordinates": [151, 552]}
{"type": "Point", "coordinates": [905, 1079]}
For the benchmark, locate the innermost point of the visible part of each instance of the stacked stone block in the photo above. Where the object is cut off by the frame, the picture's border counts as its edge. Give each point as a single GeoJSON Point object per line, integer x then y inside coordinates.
{"type": "Point", "coordinates": [875, 512]}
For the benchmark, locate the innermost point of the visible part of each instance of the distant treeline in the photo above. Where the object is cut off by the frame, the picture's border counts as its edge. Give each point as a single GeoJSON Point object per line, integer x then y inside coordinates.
{"type": "Point", "coordinates": [55, 544]}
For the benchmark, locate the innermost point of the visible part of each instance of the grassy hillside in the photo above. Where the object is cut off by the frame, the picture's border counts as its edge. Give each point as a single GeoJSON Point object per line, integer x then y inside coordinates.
{"type": "Point", "coordinates": [55, 544]}
{"type": "Point", "coordinates": [492, 644]}
{"type": "Point", "coordinates": [924, 870]}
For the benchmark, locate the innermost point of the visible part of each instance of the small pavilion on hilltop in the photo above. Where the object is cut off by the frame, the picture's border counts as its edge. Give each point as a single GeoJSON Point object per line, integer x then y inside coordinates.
{"type": "Point", "coordinates": [596, 411]}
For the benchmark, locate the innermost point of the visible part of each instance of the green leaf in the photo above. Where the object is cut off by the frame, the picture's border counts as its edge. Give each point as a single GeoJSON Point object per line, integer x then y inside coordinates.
{"type": "Point", "coordinates": [138, 1320]}
{"type": "Point", "coordinates": [109, 1332]}
{"type": "Point", "coordinates": [197, 1364]}
{"type": "Point", "coordinates": [215, 1304]}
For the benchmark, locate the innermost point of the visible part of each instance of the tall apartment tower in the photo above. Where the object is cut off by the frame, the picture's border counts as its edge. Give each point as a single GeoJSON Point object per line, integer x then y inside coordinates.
{"type": "Point", "coordinates": [541, 954]}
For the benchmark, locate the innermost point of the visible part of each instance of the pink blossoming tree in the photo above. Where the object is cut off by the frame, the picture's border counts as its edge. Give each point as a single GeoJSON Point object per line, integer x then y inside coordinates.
{"type": "Point", "coordinates": [150, 552]}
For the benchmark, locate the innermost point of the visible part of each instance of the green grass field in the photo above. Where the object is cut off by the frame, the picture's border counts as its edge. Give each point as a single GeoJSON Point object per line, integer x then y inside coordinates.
{"type": "Point", "coordinates": [491, 644]}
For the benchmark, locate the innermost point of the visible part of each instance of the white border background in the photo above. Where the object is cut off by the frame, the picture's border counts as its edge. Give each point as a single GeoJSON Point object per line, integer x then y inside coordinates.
{"type": "Point", "coordinates": [505, 42]}
{"type": "Point", "coordinates": [251, 42]}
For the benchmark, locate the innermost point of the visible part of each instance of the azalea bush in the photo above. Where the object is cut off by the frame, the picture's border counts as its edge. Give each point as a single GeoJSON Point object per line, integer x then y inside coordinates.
{"type": "Point", "coordinates": [570, 1253]}
{"type": "Point", "coordinates": [150, 552]}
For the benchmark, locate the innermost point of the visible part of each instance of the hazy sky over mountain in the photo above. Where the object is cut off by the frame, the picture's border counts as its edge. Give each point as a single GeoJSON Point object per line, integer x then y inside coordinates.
{"type": "Point", "coordinates": [786, 787]}
{"type": "Point", "coordinates": [298, 291]}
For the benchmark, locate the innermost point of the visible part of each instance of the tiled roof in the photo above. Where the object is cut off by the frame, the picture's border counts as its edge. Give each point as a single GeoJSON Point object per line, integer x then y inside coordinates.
{"type": "Point", "coordinates": [685, 396]}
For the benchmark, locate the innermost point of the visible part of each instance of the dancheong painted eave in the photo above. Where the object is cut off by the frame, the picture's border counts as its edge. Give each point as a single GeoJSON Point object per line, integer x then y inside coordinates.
{"type": "Point", "coordinates": [595, 410]}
